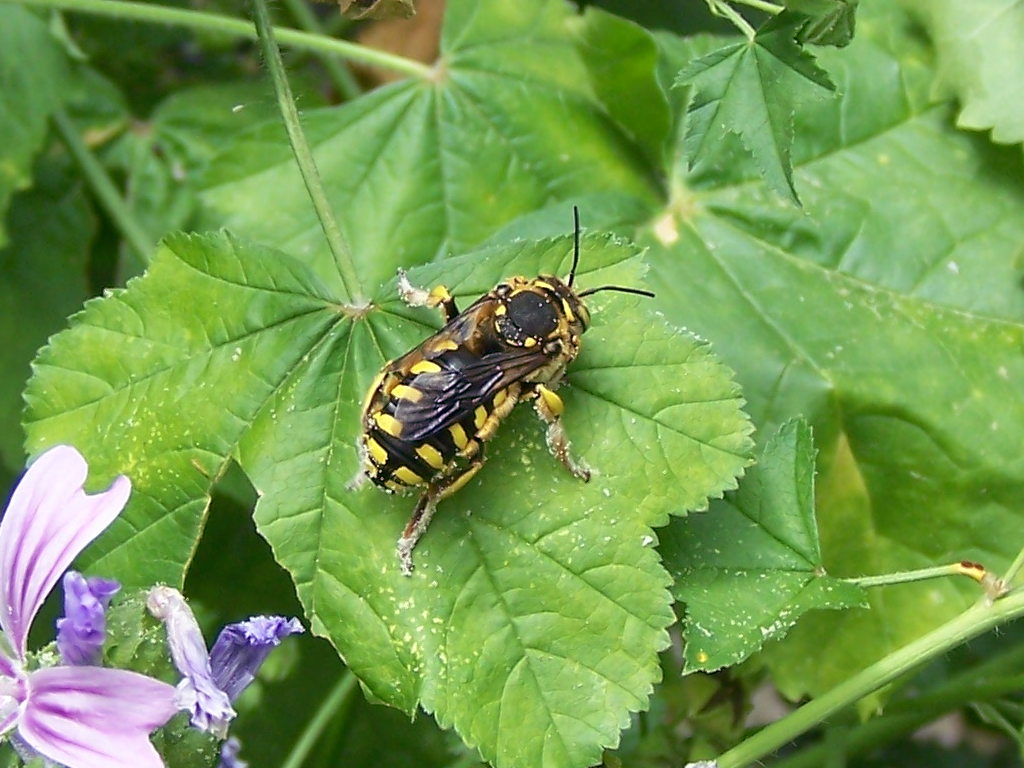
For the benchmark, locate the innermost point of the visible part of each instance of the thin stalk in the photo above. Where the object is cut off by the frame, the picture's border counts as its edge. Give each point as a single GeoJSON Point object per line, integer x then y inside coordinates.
{"type": "Point", "coordinates": [723, 9]}
{"type": "Point", "coordinates": [340, 75]}
{"type": "Point", "coordinates": [976, 620]}
{"type": "Point", "coordinates": [139, 240]}
{"type": "Point", "coordinates": [962, 568]}
{"type": "Point", "coordinates": [761, 5]}
{"type": "Point", "coordinates": [1013, 570]}
{"type": "Point", "coordinates": [993, 678]}
{"type": "Point", "coordinates": [304, 156]}
{"type": "Point", "coordinates": [339, 699]}
{"type": "Point", "coordinates": [213, 22]}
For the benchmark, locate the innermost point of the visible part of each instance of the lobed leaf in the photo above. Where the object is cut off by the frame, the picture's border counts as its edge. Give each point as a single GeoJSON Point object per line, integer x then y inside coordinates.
{"type": "Point", "coordinates": [752, 566]}
{"type": "Point", "coordinates": [888, 312]}
{"type": "Point", "coordinates": [533, 622]}
{"type": "Point", "coordinates": [751, 89]}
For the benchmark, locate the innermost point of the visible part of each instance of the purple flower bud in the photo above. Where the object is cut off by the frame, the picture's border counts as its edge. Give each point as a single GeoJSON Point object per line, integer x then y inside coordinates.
{"type": "Point", "coordinates": [80, 634]}
{"type": "Point", "coordinates": [229, 754]}
{"type": "Point", "coordinates": [241, 649]}
{"type": "Point", "coordinates": [197, 693]}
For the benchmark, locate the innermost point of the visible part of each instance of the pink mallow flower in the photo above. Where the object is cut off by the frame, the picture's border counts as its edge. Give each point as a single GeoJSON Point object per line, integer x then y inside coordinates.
{"type": "Point", "coordinates": [77, 716]}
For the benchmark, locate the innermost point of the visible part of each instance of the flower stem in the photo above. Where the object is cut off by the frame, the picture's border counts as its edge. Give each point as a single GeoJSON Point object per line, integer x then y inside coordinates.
{"type": "Point", "coordinates": [996, 677]}
{"type": "Point", "coordinates": [979, 618]}
{"type": "Point", "coordinates": [726, 11]}
{"type": "Point", "coordinates": [337, 701]}
{"type": "Point", "coordinates": [962, 568]}
{"type": "Point", "coordinates": [761, 5]}
{"type": "Point", "coordinates": [139, 240]}
{"type": "Point", "coordinates": [303, 155]}
{"type": "Point", "coordinates": [1013, 570]}
{"type": "Point", "coordinates": [213, 22]}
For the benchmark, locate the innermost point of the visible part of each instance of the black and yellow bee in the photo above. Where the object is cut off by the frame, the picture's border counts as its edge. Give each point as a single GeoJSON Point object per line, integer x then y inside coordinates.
{"type": "Point", "coordinates": [429, 413]}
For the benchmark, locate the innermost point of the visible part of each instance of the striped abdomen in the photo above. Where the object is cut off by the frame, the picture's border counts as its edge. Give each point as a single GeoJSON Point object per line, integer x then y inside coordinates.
{"type": "Point", "coordinates": [395, 463]}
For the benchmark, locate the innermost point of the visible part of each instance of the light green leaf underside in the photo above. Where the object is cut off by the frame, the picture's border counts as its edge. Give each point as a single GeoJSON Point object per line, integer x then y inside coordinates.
{"type": "Point", "coordinates": [533, 622]}
{"type": "Point", "coordinates": [751, 567]}
{"type": "Point", "coordinates": [981, 59]}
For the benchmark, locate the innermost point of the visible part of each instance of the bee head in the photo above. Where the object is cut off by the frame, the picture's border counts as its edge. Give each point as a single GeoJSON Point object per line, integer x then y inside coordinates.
{"type": "Point", "coordinates": [547, 311]}
{"type": "Point", "coordinates": [542, 311]}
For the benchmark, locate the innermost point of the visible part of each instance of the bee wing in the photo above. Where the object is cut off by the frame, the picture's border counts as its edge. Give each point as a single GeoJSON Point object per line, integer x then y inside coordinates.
{"type": "Point", "coordinates": [452, 394]}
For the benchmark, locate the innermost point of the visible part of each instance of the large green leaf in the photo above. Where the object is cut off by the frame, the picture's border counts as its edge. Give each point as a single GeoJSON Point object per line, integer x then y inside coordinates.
{"type": "Point", "coordinates": [33, 81]}
{"type": "Point", "coordinates": [751, 567]}
{"type": "Point", "coordinates": [889, 314]}
{"type": "Point", "coordinates": [533, 622]}
{"type": "Point", "coordinates": [981, 59]}
{"type": "Point", "coordinates": [421, 169]}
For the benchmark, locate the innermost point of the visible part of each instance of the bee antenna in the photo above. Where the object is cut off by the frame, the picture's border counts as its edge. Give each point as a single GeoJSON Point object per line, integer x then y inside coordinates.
{"type": "Point", "coordinates": [575, 244]}
{"type": "Point", "coordinates": [619, 288]}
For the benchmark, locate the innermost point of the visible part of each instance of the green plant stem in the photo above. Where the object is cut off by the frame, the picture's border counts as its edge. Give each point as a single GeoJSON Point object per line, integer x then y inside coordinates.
{"type": "Point", "coordinates": [336, 703]}
{"type": "Point", "coordinates": [1013, 570]}
{"type": "Point", "coordinates": [981, 617]}
{"type": "Point", "coordinates": [340, 75]}
{"type": "Point", "coordinates": [998, 676]}
{"type": "Point", "coordinates": [723, 9]}
{"type": "Point", "coordinates": [761, 5]}
{"type": "Point", "coordinates": [138, 239]}
{"type": "Point", "coordinates": [304, 156]}
{"type": "Point", "coordinates": [905, 577]}
{"type": "Point", "coordinates": [212, 22]}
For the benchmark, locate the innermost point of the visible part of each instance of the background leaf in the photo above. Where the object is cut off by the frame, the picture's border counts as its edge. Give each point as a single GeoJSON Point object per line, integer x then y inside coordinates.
{"type": "Point", "coordinates": [751, 89]}
{"type": "Point", "coordinates": [42, 280]}
{"type": "Point", "coordinates": [978, 48]}
{"type": "Point", "coordinates": [33, 77]}
{"type": "Point", "coordinates": [420, 170]}
{"type": "Point", "coordinates": [856, 316]}
{"type": "Point", "coordinates": [828, 22]}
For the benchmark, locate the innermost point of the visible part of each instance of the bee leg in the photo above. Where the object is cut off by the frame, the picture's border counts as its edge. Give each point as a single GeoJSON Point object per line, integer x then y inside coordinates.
{"type": "Point", "coordinates": [438, 296]}
{"type": "Point", "coordinates": [425, 507]}
{"type": "Point", "coordinates": [549, 407]}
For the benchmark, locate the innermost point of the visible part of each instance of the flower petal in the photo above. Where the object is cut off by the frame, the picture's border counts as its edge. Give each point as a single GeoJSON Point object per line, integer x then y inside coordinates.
{"type": "Point", "coordinates": [209, 707]}
{"type": "Point", "coordinates": [92, 717]}
{"type": "Point", "coordinates": [83, 628]}
{"type": "Point", "coordinates": [242, 648]}
{"type": "Point", "coordinates": [49, 520]}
